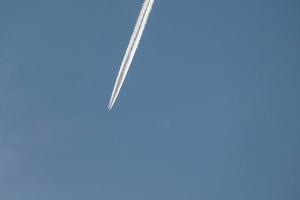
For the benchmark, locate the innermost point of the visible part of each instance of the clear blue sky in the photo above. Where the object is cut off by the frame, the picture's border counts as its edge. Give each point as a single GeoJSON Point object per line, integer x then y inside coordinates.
{"type": "Point", "coordinates": [210, 108]}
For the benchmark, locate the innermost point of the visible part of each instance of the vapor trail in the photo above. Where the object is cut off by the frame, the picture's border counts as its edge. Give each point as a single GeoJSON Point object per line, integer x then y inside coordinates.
{"type": "Point", "coordinates": [131, 49]}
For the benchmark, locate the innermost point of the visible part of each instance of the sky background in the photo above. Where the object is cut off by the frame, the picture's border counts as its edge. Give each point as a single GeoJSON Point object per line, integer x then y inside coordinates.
{"type": "Point", "coordinates": [210, 108]}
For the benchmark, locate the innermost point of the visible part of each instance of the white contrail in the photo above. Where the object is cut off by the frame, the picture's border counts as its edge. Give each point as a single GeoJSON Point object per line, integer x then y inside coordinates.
{"type": "Point", "coordinates": [131, 49]}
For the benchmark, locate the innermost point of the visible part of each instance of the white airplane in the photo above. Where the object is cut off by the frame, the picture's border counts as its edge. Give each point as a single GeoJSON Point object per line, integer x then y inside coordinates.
{"type": "Point", "coordinates": [131, 49]}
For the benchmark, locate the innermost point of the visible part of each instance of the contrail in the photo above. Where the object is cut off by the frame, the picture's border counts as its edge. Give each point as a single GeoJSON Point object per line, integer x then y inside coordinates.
{"type": "Point", "coordinates": [131, 49]}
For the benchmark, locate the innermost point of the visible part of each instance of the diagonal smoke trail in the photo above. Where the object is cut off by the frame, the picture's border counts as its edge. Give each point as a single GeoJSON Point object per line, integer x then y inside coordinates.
{"type": "Point", "coordinates": [131, 49]}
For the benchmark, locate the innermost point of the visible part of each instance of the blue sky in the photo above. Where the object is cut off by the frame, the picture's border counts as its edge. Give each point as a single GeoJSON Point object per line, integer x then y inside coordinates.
{"type": "Point", "coordinates": [209, 110]}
